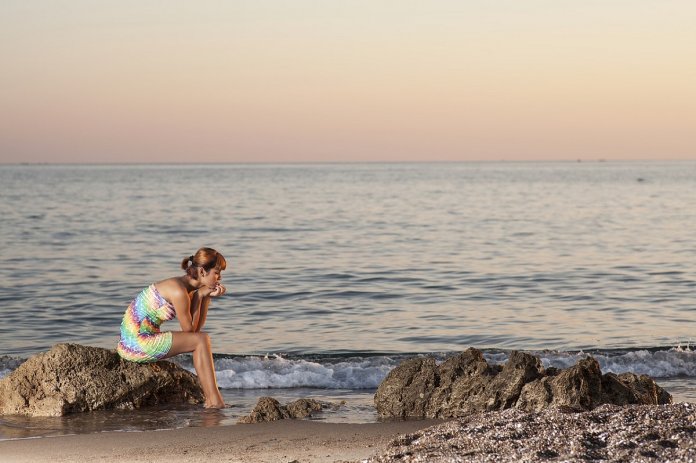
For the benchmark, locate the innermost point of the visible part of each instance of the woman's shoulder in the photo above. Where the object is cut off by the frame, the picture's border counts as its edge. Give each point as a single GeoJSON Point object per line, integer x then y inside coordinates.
{"type": "Point", "coordinates": [171, 289]}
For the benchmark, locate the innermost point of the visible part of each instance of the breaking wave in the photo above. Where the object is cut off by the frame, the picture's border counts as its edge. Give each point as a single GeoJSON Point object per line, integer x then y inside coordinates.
{"type": "Point", "coordinates": [357, 371]}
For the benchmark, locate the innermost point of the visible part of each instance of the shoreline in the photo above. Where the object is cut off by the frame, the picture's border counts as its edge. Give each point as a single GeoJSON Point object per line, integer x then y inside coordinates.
{"type": "Point", "coordinates": [646, 433]}
{"type": "Point", "coordinates": [277, 441]}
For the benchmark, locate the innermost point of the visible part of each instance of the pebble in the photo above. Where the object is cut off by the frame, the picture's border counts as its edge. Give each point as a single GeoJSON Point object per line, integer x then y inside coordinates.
{"type": "Point", "coordinates": [609, 433]}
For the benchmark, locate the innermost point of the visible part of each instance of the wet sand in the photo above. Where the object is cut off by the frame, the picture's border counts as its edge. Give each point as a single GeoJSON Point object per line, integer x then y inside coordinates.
{"type": "Point", "coordinates": [276, 442]}
{"type": "Point", "coordinates": [609, 433]}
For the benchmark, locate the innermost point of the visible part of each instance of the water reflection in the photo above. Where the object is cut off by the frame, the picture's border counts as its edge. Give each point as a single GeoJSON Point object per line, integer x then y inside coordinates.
{"type": "Point", "coordinates": [357, 407]}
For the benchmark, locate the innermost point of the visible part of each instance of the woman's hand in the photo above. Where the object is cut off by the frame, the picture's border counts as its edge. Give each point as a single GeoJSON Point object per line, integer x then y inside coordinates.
{"type": "Point", "coordinates": [204, 291]}
{"type": "Point", "coordinates": [207, 291]}
{"type": "Point", "coordinates": [219, 290]}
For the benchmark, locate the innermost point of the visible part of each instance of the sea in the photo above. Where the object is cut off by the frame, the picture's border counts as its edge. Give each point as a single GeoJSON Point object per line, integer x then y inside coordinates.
{"type": "Point", "coordinates": [338, 272]}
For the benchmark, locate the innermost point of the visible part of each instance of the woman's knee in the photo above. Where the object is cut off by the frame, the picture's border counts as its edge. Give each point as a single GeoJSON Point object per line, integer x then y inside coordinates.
{"type": "Point", "coordinates": [189, 342]}
{"type": "Point", "coordinates": [204, 338]}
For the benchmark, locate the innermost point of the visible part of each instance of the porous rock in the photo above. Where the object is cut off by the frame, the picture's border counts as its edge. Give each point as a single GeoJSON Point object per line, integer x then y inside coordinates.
{"type": "Point", "coordinates": [269, 409]}
{"type": "Point", "coordinates": [406, 390]}
{"type": "Point", "coordinates": [75, 378]}
{"type": "Point", "coordinates": [466, 383]}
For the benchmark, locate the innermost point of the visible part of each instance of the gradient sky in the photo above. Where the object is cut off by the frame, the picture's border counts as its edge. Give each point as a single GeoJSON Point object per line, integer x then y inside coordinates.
{"type": "Point", "coordinates": [346, 80]}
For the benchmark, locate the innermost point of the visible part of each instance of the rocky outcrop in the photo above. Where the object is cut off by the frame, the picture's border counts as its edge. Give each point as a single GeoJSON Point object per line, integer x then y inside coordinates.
{"type": "Point", "coordinates": [466, 383]}
{"type": "Point", "coordinates": [269, 409]}
{"type": "Point", "coordinates": [584, 387]}
{"type": "Point", "coordinates": [74, 378]}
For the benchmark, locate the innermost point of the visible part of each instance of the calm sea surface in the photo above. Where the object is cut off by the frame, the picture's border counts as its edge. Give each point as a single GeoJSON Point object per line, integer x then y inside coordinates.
{"type": "Point", "coordinates": [338, 271]}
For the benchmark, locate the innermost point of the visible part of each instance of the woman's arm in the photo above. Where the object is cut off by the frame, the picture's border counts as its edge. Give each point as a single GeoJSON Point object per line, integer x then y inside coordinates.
{"type": "Point", "coordinates": [196, 307]}
{"type": "Point", "coordinates": [203, 307]}
{"type": "Point", "coordinates": [183, 307]}
{"type": "Point", "coordinates": [202, 314]}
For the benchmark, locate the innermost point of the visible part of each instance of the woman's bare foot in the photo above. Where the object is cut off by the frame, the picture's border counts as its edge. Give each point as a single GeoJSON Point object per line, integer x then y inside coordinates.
{"type": "Point", "coordinates": [215, 404]}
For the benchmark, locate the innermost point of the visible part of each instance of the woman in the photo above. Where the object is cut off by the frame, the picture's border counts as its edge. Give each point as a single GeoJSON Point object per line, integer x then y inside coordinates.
{"type": "Point", "coordinates": [187, 297]}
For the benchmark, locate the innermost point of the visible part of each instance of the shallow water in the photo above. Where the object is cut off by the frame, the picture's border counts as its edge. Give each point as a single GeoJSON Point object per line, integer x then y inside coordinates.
{"type": "Point", "coordinates": [343, 269]}
{"type": "Point", "coordinates": [349, 381]}
{"type": "Point", "coordinates": [351, 407]}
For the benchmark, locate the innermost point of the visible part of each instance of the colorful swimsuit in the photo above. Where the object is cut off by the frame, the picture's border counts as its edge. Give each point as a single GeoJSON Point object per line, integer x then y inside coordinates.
{"type": "Point", "coordinates": [141, 338]}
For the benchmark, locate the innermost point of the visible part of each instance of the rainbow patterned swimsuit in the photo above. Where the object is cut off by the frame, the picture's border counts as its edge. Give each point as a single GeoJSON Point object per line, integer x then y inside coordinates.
{"type": "Point", "coordinates": [141, 338]}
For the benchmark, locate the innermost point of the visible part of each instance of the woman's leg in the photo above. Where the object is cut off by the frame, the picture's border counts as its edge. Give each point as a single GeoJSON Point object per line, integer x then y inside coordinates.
{"type": "Point", "coordinates": [199, 345]}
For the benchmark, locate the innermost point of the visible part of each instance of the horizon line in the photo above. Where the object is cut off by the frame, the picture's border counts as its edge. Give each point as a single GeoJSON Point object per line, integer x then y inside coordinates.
{"type": "Point", "coordinates": [212, 163]}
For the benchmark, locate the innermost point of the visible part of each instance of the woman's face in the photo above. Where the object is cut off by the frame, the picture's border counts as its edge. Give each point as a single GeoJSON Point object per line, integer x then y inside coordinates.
{"type": "Point", "coordinates": [212, 278]}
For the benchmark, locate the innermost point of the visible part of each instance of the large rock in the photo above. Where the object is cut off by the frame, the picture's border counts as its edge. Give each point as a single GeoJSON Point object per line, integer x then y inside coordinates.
{"type": "Point", "coordinates": [407, 389]}
{"type": "Point", "coordinates": [269, 409]}
{"type": "Point", "coordinates": [74, 378]}
{"type": "Point", "coordinates": [466, 383]}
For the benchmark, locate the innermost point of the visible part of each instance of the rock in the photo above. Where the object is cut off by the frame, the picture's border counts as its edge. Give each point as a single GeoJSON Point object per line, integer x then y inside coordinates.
{"type": "Point", "coordinates": [302, 408]}
{"type": "Point", "coordinates": [466, 383]}
{"type": "Point", "coordinates": [74, 378]}
{"type": "Point", "coordinates": [584, 387]}
{"type": "Point", "coordinates": [266, 409]}
{"type": "Point", "coordinates": [269, 409]}
{"type": "Point", "coordinates": [609, 433]}
{"type": "Point", "coordinates": [406, 390]}
{"type": "Point", "coordinates": [645, 389]}
{"type": "Point", "coordinates": [462, 376]}
{"type": "Point", "coordinates": [578, 386]}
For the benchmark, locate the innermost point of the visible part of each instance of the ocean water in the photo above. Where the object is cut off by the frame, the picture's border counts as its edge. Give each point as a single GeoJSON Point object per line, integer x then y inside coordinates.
{"type": "Point", "coordinates": [337, 272]}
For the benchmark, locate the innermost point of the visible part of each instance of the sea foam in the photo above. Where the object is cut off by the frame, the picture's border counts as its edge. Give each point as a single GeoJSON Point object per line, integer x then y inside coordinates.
{"type": "Point", "coordinates": [676, 362]}
{"type": "Point", "coordinates": [278, 372]}
{"type": "Point", "coordinates": [367, 372]}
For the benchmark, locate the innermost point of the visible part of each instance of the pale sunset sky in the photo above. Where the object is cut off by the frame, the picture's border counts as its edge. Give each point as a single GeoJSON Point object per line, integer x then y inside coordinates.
{"type": "Point", "coordinates": [346, 80]}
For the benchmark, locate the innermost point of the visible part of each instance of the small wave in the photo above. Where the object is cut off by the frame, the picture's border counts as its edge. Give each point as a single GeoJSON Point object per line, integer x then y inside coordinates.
{"type": "Point", "coordinates": [8, 364]}
{"type": "Point", "coordinates": [279, 372]}
{"type": "Point", "coordinates": [367, 372]}
{"type": "Point", "coordinates": [675, 362]}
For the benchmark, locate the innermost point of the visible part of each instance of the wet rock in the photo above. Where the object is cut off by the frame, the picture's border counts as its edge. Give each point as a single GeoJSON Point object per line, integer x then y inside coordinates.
{"type": "Point", "coordinates": [73, 378]}
{"type": "Point", "coordinates": [269, 409]}
{"type": "Point", "coordinates": [406, 390]}
{"type": "Point", "coordinates": [464, 376]}
{"type": "Point", "coordinates": [644, 389]}
{"type": "Point", "coordinates": [579, 386]}
{"type": "Point", "coordinates": [302, 408]}
{"type": "Point", "coordinates": [584, 387]}
{"type": "Point", "coordinates": [466, 383]}
{"type": "Point", "coordinates": [266, 409]}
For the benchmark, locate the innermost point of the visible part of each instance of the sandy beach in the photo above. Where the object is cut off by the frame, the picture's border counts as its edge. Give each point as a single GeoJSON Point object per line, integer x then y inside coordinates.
{"type": "Point", "coordinates": [608, 433]}
{"type": "Point", "coordinates": [276, 442]}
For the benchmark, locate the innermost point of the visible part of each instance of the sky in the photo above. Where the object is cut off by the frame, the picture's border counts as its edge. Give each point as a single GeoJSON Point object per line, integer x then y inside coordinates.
{"type": "Point", "coordinates": [346, 80]}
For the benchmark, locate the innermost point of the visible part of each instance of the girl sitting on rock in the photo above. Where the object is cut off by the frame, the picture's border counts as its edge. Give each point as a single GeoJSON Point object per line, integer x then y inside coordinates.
{"type": "Point", "coordinates": [187, 297]}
